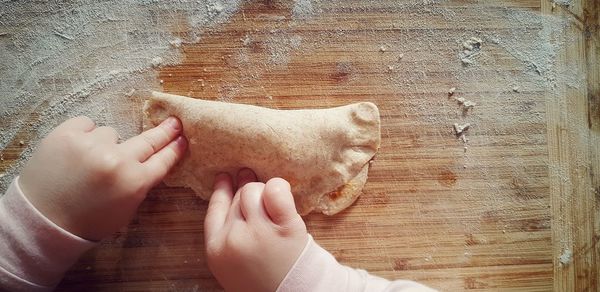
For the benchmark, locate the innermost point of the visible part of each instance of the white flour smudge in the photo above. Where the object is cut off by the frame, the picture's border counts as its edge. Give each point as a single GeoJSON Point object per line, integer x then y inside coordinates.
{"type": "Point", "coordinates": [66, 58]}
{"type": "Point", "coordinates": [280, 46]}
{"type": "Point", "coordinates": [565, 257]}
{"type": "Point", "coordinates": [303, 9]}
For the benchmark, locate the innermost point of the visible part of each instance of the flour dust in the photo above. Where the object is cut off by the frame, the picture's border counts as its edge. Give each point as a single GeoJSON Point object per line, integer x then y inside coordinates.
{"type": "Point", "coordinates": [66, 58]}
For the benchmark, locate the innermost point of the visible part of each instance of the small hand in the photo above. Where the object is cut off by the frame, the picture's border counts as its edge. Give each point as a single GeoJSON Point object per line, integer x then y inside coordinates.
{"type": "Point", "coordinates": [83, 180]}
{"type": "Point", "coordinates": [255, 236]}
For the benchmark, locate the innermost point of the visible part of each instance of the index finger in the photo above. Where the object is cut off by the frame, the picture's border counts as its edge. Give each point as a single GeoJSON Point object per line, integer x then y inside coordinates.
{"type": "Point", "coordinates": [151, 141]}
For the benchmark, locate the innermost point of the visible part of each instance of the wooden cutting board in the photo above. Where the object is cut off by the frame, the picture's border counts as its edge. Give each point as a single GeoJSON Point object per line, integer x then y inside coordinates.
{"type": "Point", "coordinates": [495, 213]}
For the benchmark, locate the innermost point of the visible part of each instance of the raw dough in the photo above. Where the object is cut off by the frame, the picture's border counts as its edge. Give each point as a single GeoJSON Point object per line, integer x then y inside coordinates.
{"type": "Point", "coordinates": [323, 153]}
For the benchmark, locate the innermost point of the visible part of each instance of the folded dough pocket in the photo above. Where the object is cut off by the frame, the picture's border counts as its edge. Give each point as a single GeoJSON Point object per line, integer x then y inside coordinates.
{"type": "Point", "coordinates": [323, 153]}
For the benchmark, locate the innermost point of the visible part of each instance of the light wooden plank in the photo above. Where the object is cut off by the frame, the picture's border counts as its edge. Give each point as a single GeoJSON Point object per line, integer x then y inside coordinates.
{"type": "Point", "coordinates": [573, 149]}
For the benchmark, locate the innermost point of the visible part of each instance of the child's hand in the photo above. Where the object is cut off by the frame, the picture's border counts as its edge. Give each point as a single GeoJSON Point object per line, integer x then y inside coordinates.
{"type": "Point", "coordinates": [84, 181]}
{"type": "Point", "coordinates": [252, 238]}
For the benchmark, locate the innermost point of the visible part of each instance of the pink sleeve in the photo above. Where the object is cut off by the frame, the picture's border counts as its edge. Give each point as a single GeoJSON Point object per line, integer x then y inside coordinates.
{"type": "Point", "coordinates": [317, 270]}
{"type": "Point", "coordinates": [34, 252]}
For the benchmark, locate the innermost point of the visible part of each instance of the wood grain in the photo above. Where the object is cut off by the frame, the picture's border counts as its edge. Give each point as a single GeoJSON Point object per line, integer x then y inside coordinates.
{"type": "Point", "coordinates": [496, 217]}
{"type": "Point", "coordinates": [573, 137]}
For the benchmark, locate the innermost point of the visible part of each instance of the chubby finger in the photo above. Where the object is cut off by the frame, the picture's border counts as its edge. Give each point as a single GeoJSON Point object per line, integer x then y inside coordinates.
{"type": "Point", "coordinates": [279, 202]}
{"type": "Point", "coordinates": [219, 205]}
{"type": "Point", "coordinates": [105, 134]}
{"type": "Point", "coordinates": [251, 202]}
{"type": "Point", "coordinates": [80, 123]}
{"type": "Point", "coordinates": [159, 164]}
{"type": "Point", "coordinates": [151, 141]}
{"type": "Point", "coordinates": [244, 176]}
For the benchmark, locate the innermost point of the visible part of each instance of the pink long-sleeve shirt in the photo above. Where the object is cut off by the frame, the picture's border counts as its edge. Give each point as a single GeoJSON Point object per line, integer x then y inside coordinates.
{"type": "Point", "coordinates": [35, 253]}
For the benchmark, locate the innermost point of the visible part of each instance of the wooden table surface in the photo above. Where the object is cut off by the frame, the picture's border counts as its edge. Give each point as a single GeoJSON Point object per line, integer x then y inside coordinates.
{"type": "Point", "coordinates": [497, 215]}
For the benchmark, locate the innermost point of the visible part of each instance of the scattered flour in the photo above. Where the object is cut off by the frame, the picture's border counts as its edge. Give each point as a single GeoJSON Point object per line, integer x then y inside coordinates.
{"type": "Point", "coordinates": [176, 42]}
{"type": "Point", "coordinates": [537, 47]}
{"type": "Point", "coordinates": [566, 257]}
{"type": "Point", "coordinates": [466, 104]}
{"type": "Point", "coordinates": [215, 7]}
{"type": "Point", "coordinates": [461, 129]}
{"type": "Point", "coordinates": [280, 46]}
{"type": "Point", "coordinates": [246, 40]}
{"type": "Point", "coordinates": [565, 3]}
{"type": "Point", "coordinates": [451, 91]}
{"type": "Point", "coordinates": [303, 9]}
{"type": "Point", "coordinates": [156, 62]}
{"type": "Point", "coordinates": [66, 58]}
{"type": "Point", "coordinates": [470, 49]}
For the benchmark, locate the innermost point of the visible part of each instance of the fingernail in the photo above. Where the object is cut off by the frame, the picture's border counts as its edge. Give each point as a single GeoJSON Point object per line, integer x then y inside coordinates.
{"type": "Point", "coordinates": [181, 142]}
{"type": "Point", "coordinates": [173, 122]}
